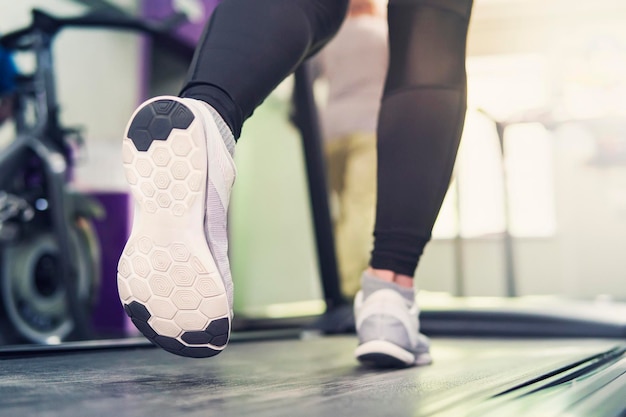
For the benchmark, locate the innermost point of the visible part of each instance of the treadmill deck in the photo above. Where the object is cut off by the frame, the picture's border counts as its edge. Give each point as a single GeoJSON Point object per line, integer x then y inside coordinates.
{"type": "Point", "coordinates": [310, 377]}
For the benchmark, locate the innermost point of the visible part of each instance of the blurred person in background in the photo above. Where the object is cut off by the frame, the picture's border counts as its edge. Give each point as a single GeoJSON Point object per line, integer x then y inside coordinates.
{"type": "Point", "coordinates": [354, 65]}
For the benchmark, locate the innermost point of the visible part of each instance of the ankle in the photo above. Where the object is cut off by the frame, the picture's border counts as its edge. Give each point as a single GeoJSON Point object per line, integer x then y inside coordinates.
{"type": "Point", "coordinates": [387, 275]}
{"type": "Point", "coordinates": [224, 129]}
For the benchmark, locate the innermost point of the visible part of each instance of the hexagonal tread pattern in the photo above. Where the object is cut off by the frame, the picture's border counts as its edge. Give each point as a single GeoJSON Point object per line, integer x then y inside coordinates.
{"type": "Point", "coordinates": [156, 121]}
{"type": "Point", "coordinates": [167, 280]}
{"type": "Point", "coordinates": [161, 158]}
{"type": "Point", "coordinates": [172, 299]}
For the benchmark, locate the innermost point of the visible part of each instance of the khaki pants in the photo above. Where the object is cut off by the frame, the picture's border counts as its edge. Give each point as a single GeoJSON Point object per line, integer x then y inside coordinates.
{"type": "Point", "coordinates": [351, 166]}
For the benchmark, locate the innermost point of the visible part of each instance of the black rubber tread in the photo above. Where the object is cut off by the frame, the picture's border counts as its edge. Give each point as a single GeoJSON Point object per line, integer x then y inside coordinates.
{"type": "Point", "coordinates": [382, 361]}
{"type": "Point", "coordinates": [156, 120]}
{"type": "Point", "coordinates": [216, 334]}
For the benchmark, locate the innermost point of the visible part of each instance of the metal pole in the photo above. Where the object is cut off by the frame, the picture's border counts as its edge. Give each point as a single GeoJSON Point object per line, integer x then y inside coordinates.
{"type": "Point", "coordinates": [306, 120]}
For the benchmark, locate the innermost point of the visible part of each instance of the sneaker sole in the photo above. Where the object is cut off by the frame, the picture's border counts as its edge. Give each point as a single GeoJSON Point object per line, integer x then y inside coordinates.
{"type": "Point", "coordinates": [383, 354]}
{"type": "Point", "coordinates": [167, 279]}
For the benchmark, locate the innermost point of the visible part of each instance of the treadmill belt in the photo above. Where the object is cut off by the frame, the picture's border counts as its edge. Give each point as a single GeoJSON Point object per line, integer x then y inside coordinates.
{"type": "Point", "coordinates": [311, 377]}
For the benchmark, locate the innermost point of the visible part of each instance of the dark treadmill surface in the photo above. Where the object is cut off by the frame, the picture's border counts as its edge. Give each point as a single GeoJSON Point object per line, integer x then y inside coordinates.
{"type": "Point", "coordinates": [311, 377]}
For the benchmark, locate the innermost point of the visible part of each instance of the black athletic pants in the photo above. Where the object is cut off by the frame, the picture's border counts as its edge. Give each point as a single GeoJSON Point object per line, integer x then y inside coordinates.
{"type": "Point", "coordinates": [250, 46]}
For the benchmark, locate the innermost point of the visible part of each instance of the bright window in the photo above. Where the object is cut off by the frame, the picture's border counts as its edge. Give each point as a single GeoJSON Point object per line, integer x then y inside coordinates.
{"type": "Point", "coordinates": [502, 88]}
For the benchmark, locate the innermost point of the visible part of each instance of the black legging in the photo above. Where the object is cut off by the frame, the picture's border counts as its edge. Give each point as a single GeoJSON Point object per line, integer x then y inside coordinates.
{"type": "Point", "coordinates": [250, 46]}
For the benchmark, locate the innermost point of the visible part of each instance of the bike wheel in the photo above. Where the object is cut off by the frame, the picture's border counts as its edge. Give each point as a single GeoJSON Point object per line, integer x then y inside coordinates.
{"type": "Point", "coordinates": [34, 298]}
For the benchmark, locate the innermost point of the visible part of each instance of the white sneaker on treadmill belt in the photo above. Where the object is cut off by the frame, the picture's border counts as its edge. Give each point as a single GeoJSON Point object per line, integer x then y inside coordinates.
{"type": "Point", "coordinates": [387, 326]}
{"type": "Point", "coordinates": [174, 276]}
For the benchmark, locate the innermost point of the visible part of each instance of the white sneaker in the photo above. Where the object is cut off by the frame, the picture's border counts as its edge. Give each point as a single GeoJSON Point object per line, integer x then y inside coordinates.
{"type": "Point", "coordinates": [173, 276]}
{"type": "Point", "coordinates": [387, 325]}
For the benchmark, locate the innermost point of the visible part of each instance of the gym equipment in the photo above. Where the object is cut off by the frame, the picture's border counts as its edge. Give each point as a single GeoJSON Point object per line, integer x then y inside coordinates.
{"type": "Point", "coordinates": [49, 252]}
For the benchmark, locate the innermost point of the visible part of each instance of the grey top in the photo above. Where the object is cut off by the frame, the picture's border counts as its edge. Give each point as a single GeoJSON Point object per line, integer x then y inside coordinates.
{"type": "Point", "coordinates": [354, 64]}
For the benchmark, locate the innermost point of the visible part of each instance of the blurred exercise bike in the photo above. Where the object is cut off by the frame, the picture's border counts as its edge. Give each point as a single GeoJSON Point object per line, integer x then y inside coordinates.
{"type": "Point", "coordinates": [49, 251]}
